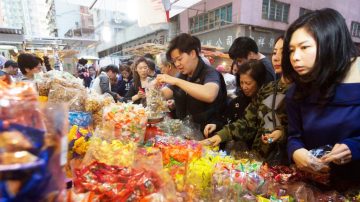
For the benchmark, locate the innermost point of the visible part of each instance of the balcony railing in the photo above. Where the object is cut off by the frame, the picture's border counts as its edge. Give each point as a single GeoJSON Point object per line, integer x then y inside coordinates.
{"type": "Point", "coordinates": [209, 26]}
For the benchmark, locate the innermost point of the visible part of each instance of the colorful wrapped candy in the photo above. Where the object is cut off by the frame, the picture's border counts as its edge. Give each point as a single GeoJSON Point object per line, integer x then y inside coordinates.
{"type": "Point", "coordinates": [129, 121]}
{"type": "Point", "coordinates": [79, 141]}
{"type": "Point", "coordinates": [280, 174]}
{"type": "Point", "coordinates": [200, 173]}
{"type": "Point", "coordinates": [177, 149]}
{"type": "Point", "coordinates": [116, 183]}
{"type": "Point", "coordinates": [111, 152]}
{"type": "Point", "coordinates": [156, 104]}
{"type": "Point", "coordinates": [82, 119]}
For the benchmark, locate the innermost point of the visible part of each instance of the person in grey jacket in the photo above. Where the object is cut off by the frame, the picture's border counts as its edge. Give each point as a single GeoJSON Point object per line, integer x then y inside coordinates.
{"type": "Point", "coordinates": [102, 83]}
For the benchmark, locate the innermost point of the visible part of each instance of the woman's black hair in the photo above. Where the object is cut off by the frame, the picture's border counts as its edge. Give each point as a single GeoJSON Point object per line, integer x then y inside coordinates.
{"type": "Point", "coordinates": [255, 69]}
{"type": "Point", "coordinates": [236, 75]}
{"type": "Point", "coordinates": [136, 77]}
{"type": "Point", "coordinates": [335, 53]}
{"type": "Point", "coordinates": [278, 38]}
{"type": "Point", "coordinates": [126, 68]}
{"type": "Point", "coordinates": [151, 64]}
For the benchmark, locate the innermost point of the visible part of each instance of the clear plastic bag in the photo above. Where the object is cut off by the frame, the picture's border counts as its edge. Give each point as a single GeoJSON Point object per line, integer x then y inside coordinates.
{"type": "Point", "coordinates": [45, 82]}
{"type": "Point", "coordinates": [95, 104]}
{"type": "Point", "coordinates": [73, 96]}
{"type": "Point", "coordinates": [128, 120]}
{"type": "Point", "coordinates": [156, 104]}
{"type": "Point", "coordinates": [171, 126]}
{"type": "Point", "coordinates": [82, 119]}
{"type": "Point", "coordinates": [43, 85]}
{"type": "Point", "coordinates": [322, 176]}
{"type": "Point", "coordinates": [77, 103]}
{"type": "Point", "coordinates": [31, 149]}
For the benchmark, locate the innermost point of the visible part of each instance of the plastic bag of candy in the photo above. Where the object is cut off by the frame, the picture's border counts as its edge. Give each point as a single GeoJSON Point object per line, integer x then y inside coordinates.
{"type": "Point", "coordinates": [77, 103]}
{"type": "Point", "coordinates": [280, 174]}
{"type": "Point", "coordinates": [227, 182]}
{"type": "Point", "coordinates": [95, 102]}
{"type": "Point", "coordinates": [150, 159]}
{"type": "Point", "coordinates": [75, 96]}
{"type": "Point", "coordinates": [156, 104]}
{"type": "Point", "coordinates": [322, 175]}
{"type": "Point", "coordinates": [298, 191]}
{"type": "Point", "coordinates": [116, 183]}
{"type": "Point", "coordinates": [56, 124]}
{"type": "Point", "coordinates": [106, 148]}
{"type": "Point", "coordinates": [31, 151]}
{"type": "Point", "coordinates": [128, 120]}
{"type": "Point", "coordinates": [171, 126]}
{"type": "Point", "coordinates": [82, 119]}
{"type": "Point", "coordinates": [43, 85]}
{"type": "Point", "coordinates": [45, 81]}
{"type": "Point", "coordinates": [119, 171]}
{"type": "Point", "coordinates": [191, 130]}
{"type": "Point", "coordinates": [176, 149]}
{"type": "Point", "coordinates": [321, 151]}
{"type": "Point", "coordinates": [316, 154]}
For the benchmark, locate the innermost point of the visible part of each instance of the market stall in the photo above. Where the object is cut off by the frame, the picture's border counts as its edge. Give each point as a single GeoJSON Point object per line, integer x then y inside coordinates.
{"type": "Point", "coordinates": [110, 157]}
{"type": "Point", "coordinates": [216, 56]}
{"type": "Point", "coordinates": [141, 50]}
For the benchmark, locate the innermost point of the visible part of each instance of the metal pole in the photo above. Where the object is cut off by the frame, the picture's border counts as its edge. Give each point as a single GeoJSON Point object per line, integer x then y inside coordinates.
{"type": "Point", "coordinates": [93, 4]}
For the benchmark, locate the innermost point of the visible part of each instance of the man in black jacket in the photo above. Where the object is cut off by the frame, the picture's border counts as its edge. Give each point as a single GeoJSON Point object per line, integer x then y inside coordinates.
{"type": "Point", "coordinates": [199, 90]}
{"type": "Point", "coordinates": [244, 49]}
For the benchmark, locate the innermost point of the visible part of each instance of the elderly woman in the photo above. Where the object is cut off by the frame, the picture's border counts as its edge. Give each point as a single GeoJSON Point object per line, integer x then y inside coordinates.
{"type": "Point", "coordinates": [166, 67]}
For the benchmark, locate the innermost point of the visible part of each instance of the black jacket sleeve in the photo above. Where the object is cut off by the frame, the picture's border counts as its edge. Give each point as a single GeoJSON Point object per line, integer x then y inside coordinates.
{"type": "Point", "coordinates": [132, 91]}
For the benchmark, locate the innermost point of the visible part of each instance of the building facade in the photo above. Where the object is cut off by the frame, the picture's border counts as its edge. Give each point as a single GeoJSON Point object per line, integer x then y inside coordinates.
{"type": "Point", "coordinates": [69, 20]}
{"type": "Point", "coordinates": [122, 33]}
{"type": "Point", "coordinates": [28, 15]}
{"type": "Point", "coordinates": [218, 23]}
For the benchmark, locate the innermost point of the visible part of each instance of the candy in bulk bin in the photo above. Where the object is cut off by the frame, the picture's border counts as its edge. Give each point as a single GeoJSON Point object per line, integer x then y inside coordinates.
{"type": "Point", "coordinates": [129, 121]}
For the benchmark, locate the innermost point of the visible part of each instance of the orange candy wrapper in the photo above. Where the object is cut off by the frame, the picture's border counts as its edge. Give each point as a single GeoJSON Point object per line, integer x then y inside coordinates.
{"type": "Point", "coordinates": [129, 121]}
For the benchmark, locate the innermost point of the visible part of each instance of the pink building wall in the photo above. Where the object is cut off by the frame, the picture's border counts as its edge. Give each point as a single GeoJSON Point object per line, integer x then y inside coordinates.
{"type": "Point", "coordinates": [249, 12]}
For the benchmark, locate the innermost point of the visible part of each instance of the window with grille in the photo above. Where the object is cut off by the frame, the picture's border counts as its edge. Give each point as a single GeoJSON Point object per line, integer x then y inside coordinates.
{"type": "Point", "coordinates": [276, 11]}
{"type": "Point", "coordinates": [213, 19]}
{"type": "Point", "coordinates": [355, 29]}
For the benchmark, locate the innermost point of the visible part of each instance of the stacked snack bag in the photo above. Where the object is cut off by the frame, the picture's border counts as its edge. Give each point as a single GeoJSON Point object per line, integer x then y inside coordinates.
{"type": "Point", "coordinates": [60, 86]}
{"type": "Point", "coordinates": [31, 148]}
{"type": "Point", "coordinates": [95, 104]}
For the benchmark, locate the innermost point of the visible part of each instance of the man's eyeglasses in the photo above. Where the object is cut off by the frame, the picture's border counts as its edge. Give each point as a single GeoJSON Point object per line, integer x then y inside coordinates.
{"type": "Point", "coordinates": [177, 59]}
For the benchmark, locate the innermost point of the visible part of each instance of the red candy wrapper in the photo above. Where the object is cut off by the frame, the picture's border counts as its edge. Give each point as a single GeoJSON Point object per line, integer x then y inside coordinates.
{"type": "Point", "coordinates": [116, 183]}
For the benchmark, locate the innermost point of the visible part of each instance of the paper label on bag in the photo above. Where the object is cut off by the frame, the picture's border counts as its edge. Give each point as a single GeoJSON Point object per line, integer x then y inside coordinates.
{"type": "Point", "coordinates": [64, 149]}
